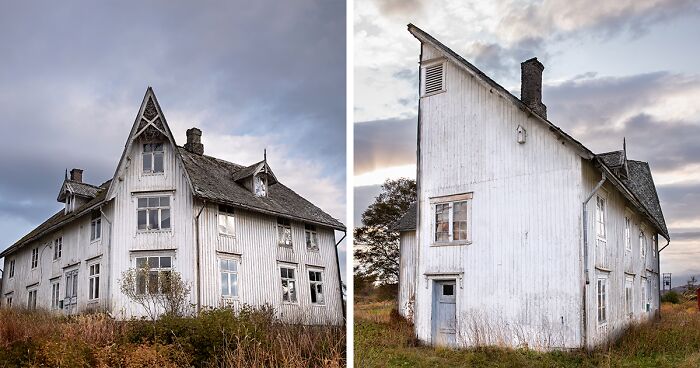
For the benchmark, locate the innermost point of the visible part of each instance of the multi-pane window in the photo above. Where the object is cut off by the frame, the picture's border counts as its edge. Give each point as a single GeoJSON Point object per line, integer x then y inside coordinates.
{"type": "Point", "coordinates": [226, 220]}
{"type": "Point", "coordinates": [228, 273]}
{"type": "Point", "coordinates": [451, 221]}
{"type": "Point", "coordinates": [8, 301]}
{"type": "Point", "coordinates": [35, 257]}
{"type": "Point", "coordinates": [316, 284]}
{"type": "Point", "coordinates": [72, 287]}
{"type": "Point", "coordinates": [153, 274]}
{"type": "Point", "coordinates": [628, 237]}
{"type": "Point", "coordinates": [289, 284]}
{"type": "Point", "coordinates": [602, 300]}
{"type": "Point", "coordinates": [629, 305]}
{"type": "Point", "coordinates": [642, 244]}
{"type": "Point", "coordinates": [95, 226]}
{"type": "Point", "coordinates": [284, 232]}
{"type": "Point", "coordinates": [153, 158]}
{"type": "Point", "coordinates": [57, 248]}
{"type": "Point", "coordinates": [94, 281]}
{"type": "Point", "coordinates": [55, 294]}
{"type": "Point", "coordinates": [643, 287]}
{"type": "Point", "coordinates": [31, 299]}
{"type": "Point", "coordinates": [311, 236]}
{"type": "Point", "coordinates": [600, 217]}
{"type": "Point", "coordinates": [153, 213]}
{"type": "Point", "coordinates": [260, 186]}
{"type": "Point", "coordinates": [12, 269]}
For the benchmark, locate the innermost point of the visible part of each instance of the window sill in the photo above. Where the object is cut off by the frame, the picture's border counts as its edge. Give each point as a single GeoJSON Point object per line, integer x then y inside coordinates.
{"type": "Point", "coordinates": [229, 236]}
{"type": "Point", "coordinates": [95, 241]}
{"type": "Point", "coordinates": [318, 305]}
{"type": "Point", "coordinates": [153, 173]}
{"type": "Point", "coordinates": [452, 243]}
{"type": "Point", "coordinates": [291, 303]}
{"type": "Point", "coordinates": [313, 250]}
{"type": "Point", "coordinates": [285, 246]}
{"type": "Point", "coordinates": [154, 231]}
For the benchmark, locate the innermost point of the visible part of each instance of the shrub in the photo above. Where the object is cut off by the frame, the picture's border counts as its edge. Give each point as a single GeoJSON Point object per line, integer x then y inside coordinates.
{"type": "Point", "coordinates": [671, 297]}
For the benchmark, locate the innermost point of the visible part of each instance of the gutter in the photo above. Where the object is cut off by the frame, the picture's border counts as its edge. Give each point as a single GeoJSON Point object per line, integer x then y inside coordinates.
{"type": "Point", "coordinates": [585, 254]}
{"type": "Point", "coordinates": [196, 239]}
{"type": "Point", "coordinates": [340, 279]}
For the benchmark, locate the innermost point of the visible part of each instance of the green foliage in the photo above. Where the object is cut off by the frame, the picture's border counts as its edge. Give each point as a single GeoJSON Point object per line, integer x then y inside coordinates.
{"type": "Point", "coordinates": [671, 297]}
{"type": "Point", "coordinates": [379, 250]}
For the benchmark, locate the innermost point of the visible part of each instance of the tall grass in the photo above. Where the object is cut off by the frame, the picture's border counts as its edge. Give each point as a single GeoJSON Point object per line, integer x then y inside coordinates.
{"type": "Point", "coordinates": [216, 338]}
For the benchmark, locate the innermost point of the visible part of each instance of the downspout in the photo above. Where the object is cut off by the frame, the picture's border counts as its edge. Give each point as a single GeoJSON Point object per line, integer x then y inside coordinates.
{"type": "Point", "coordinates": [658, 273]}
{"type": "Point", "coordinates": [109, 259]}
{"type": "Point", "coordinates": [196, 238]}
{"type": "Point", "coordinates": [585, 255]}
{"type": "Point", "coordinates": [340, 279]}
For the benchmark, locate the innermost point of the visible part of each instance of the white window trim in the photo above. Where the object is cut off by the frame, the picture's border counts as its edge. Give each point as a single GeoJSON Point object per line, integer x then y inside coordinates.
{"type": "Point", "coordinates": [31, 290]}
{"type": "Point", "coordinates": [57, 248]}
{"type": "Point", "coordinates": [143, 153]}
{"type": "Point", "coordinates": [94, 222]}
{"type": "Point", "coordinates": [35, 250]}
{"type": "Point", "coordinates": [170, 207]}
{"type": "Point", "coordinates": [56, 293]}
{"type": "Point", "coordinates": [604, 279]}
{"type": "Point", "coordinates": [642, 242]}
{"type": "Point", "coordinates": [91, 288]}
{"type": "Point", "coordinates": [604, 214]}
{"type": "Point", "coordinates": [451, 199]}
{"type": "Point", "coordinates": [318, 246]}
{"type": "Point", "coordinates": [291, 232]}
{"type": "Point", "coordinates": [237, 259]}
{"type": "Point", "coordinates": [230, 217]}
{"type": "Point", "coordinates": [629, 284]}
{"type": "Point", "coordinates": [627, 235]}
{"type": "Point", "coordinates": [295, 267]}
{"type": "Point", "coordinates": [12, 269]}
{"type": "Point", "coordinates": [645, 294]}
{"type": "Point", "coordinates": [154, 253]}
{"type": "Point", "coordinates": [322, 282]}
{"type": "Point", "coordinates": [429, 63]}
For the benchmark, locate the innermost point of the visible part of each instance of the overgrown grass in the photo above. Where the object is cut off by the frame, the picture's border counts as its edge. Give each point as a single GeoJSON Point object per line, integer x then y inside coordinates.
{"type": "Point", "coordinates": [216, 338]}
{"type": "Point", "coordinates": [383, 339]}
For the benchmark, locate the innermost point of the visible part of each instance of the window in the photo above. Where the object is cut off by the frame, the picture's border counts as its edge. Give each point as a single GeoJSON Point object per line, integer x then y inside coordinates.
{"type": "Point", "coordinates": [153, 274]}
{"type": "Point", "coordinates": [643, 287]}
{"type": "Point", "coordinates": [228, 271]}
{"type": "Point", "coordinates": [642, 244]}
{"type": "Point", "coordinates": [94, 280]}
{"type": "Point", "coordinates": [452, 219]}
{"type": "Point", "coordinates": [35, 257]}
{"type": "Point", "coordinates": [153, 213]}
{"type": "Point", "coordinates": [448, 289]}
{"type": "Point", "coordinates": [628, 242]}
{"type": "Point", "coordinates": [600, 217]}
{"type": "Point", "coordinates": [284, 232]}
{"type": "Point", "coordinates": [57, 248]}
{"type": "Point", "coordinates": [153, 158]}
{"type": "Point", "coordinates": [654, 245]}
{"type": "Point", "coordinates": [311, 236]}
{"type": "Point", "coordinates": [12, 269]}
{"type": "Point", "coordinates": [434, 76]}
{"type": "Point", "coordinates": [95, 226]}
{"type": "Point", "coordinates": [316, 283]}
{"type": "Point", "coordinates": [602, 300]}
{"type": "Point", "coordinates": [72, 287]}
{"type": "Point", "coordinates": [31, 299]}
{"type": "Point", "coordinates": [8, 301]}
{"type": "Point", "coordinates": [629, 304]}
{"type": "Point", "coordinates": [289, 283]}
{"type": "Point", "coordinates": [260, 186]}
{"type": "Point", "coordinates": [226, 220]}
{"type": "Point", "coordinates": [55, 294]}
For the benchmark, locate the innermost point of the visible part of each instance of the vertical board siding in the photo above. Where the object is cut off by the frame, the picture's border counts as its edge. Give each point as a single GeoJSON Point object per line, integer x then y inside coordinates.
{"type": "Point", "coordinates": [407, 274]}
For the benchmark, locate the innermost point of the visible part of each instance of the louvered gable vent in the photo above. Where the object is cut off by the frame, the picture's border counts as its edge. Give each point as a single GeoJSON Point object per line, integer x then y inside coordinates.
{"type": "Point", "coordinates": [433, 78]}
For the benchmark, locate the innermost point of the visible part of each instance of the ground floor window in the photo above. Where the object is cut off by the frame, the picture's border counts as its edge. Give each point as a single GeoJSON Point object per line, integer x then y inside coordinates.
{"type": "Point", "coordinates": [31, 299]}
{"type": "Point", "coordinates": [55, 294]}
{"type": "Point", "coordinates": [289, 283]}
{"type": "Point", "coordinates": [153, 274]}
{"type": "Point", "coordinates": [228, 274]}
{"type": "Point", "coordinates": [602, 297]}
{"type": "Point", "coordinates": [629, 305]}
{"type": "Point", "coordinates": [94, 282]}
{"type": "Point", "coordinates": [8, 301]}
{"type": "Point", "coordinates": [316, 284]}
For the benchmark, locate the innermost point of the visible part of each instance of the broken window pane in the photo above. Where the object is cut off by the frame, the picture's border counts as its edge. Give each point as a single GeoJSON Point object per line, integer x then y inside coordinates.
{"type": "Point", "coordinates": [165, 219]}
{"type": "Point", "coordinates": [442, 218]}
{"type": "Point", "coordinates": [153, 219]}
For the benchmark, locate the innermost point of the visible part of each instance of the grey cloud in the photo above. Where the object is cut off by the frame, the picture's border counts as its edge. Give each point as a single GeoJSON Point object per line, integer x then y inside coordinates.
{"type": "Point", "coordinates": [364, 196]}
{"type": "Point", "coordinates": [383, 143]}
{"type": "Point", "coordinates": [400, 7]}
{"type": "Point", "coordinates": [501, 62]}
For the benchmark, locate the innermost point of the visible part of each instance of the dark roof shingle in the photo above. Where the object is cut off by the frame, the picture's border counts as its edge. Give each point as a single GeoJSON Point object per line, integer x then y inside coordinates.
{"type": "Point", "coordinates": [408, 221]}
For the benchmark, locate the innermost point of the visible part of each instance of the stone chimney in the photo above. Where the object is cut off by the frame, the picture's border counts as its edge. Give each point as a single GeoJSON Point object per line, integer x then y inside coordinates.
{"type": "Point", "coordinates": [531, 86]}
{"type": "Point", "coordinates": [76, 175]}
{"type": "Point", "coordinates": [194, 141]}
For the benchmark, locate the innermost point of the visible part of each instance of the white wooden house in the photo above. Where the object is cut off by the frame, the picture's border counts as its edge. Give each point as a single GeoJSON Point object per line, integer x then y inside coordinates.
{"type": "Point", "coordinates": [520, 235]}
{"type": "Point", "coordinates": [235, 234]}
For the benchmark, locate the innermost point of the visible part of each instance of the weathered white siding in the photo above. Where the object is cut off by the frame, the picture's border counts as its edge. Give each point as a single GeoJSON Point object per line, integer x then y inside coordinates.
{"type": "Point", "coordinates": [518, 278]}
{"type": "Point", "coordinates": [407, 273]}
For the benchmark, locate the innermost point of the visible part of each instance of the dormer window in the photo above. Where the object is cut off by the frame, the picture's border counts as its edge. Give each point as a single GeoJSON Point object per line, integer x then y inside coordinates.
{"type": "Point", "coordinates": [152, 158]}
{"type": "Point", "coordinates": [260, 185]}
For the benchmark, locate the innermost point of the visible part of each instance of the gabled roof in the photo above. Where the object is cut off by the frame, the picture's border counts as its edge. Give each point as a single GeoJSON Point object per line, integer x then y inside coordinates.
{"type": "Point", "coordinates": [408, 221]}
{"type": "Point", "coordinates": [253, 169]}
{"type": "Point", "coordinates": [637, 185]}
{"type": "Point", "coordinates": [79, 188]}
{"type": "Point", "coordinates": [212, 180]}
{"type": "Point", "coordinates": [60, 219]}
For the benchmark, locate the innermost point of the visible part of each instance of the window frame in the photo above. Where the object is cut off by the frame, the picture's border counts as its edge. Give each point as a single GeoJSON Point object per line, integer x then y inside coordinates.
{"type": "Point", "coordinates": [152, 153]}
{"type": "Point", "coordinates": [601, 218]}
{"type": "Point", "coordinates": [450, 202]}
{"type": "Point", "coordinates": [313, 284]}
{"type": "Point", "coordinates": [159, 208]}
{"type": "Point", "coordinates": [629, 295]}
{"type": "Point", "coordinates": [12, 269]}
{"type": "Point", "coordinates": [260, 182]}
{"type": "Point", "coordinates": [285, 223]}
{"type": "Point", "coordinates": [57, 248]}
{"type": "Point", "coordinates": [645, 293]}
{"type": "Point", "coordinates": [642, 242]}
{"type": "Point", "coordinates": [8, 299]}
{"type": "Point", "coordinates": [159, 269]}
{"type": "Point", "coordinates": [294, 279]}
{"type": "Point", "coordinates": [237, 272]}
{"type": "Point", "coordinates": [628, 234]}
{"type": "Point", "coordinates": [96, 227]}
{"type": "Point", "coordinates": [94, 270]}
{"type": "Point", "coordinates": [424, 69]}
{"type": "Point", "coordinates": [55, 293]}
{"type": "Point", "coordinates": [229, 215]}
{"type": "Point", "coordinates": [31, 301]}
{"type": "Point", "coordinates": [34, 261]}
{"type": "Point", "coordinates": [602, 309]}
{"type": "Point", "coordinates": [311, 233]}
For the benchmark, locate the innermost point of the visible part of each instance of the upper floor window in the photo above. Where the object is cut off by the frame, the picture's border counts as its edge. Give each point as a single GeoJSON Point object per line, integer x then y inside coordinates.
{"type": "Point", "coordinates": [284, 232]}
{"type": "Point", "coordinates": [311, 236]}
{"type": "Point", "coordinates": [57, 248]}
{"type": "Point", "coordinates": [35, 257]}
{"type": "Point", "coordinates": [12, 269]}
{"type": "Point", "coordinates": [260, 185]}
{"type": "Point", "coordinates": [289, 282]}
{"type": "Point", "coordinates": [153, 274]}
{"type": "Point", "coordinates": [94, 281]}
{"type": "Point", "coordinates": [654, 245]}
{"type": "Point", "coordinates": [226, 220]}
{"type": "Point", "coordinates": [600, 217]}
{"type": "Point", "coordinates": [95, 226]}
{"type": "Point", "coordinates": [316, 284]}
{"type": "Point", "coordinates": [153, 213]}
{"type": "Point", "coordinates": [642, 244]}
{"type": "Point", "coordinates": [628, 237]}
{"type": "Point", "coordinates": [602, 298]}
{"type": "Point", "coordinates": [228, 272]}
{"type": "Point", "coordinates": [152, 158]}
{"type": "Point", "coordinates": [451, 216]}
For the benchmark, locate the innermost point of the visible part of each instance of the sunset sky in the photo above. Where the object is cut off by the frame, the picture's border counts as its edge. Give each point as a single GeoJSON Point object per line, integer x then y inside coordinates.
{"type": "Point", "coordinates": [617, 69]}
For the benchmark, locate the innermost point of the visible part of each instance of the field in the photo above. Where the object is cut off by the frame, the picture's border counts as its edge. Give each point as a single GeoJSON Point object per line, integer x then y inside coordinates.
{"type": "Point", "coordinates": [215, 338]}
{"type": "Point", "coordinates": [383, 339]}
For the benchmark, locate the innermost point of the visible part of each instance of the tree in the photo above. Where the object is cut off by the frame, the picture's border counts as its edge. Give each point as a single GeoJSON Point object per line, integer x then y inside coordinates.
{"type": "Point", "coordinates": [156, 291]}
{"type": "Point", "coordinates": [378, 250]}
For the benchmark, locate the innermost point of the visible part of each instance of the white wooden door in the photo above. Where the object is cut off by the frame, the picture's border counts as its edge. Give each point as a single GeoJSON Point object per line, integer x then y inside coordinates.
{"type": "Point", "coordinates": [71, 300]}
{"type": "Point", "coordinates": [444, 313]}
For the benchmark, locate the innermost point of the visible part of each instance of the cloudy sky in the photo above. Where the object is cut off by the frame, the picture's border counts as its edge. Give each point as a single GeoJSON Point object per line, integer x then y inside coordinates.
{"type": "Point", "coordinates": [249, 74]}
{"type": "Point", "coordinates": [626, 68]}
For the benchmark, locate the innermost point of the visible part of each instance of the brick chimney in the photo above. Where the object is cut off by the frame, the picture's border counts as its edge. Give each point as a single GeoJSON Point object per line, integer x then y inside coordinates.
{"type": "Point", "coordinates": [76, 175]}
{"type": "Point", "coordinates": [531, 86]}
{"type": "Point", "coordinates": [194, 141]}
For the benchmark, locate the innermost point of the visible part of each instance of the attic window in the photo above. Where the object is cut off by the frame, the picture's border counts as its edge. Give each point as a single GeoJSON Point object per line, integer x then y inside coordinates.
{"type": "Point", "coordinates": [260, 185]}
{"type": "Point", "coordinates": [153, 158]}
{"type": "Point", "coordinates": [434, 76]}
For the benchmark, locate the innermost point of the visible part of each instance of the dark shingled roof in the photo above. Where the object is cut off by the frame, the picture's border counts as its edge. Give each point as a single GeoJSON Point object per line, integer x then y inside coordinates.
{"type": "Point", "coordinates": [212, 180]}
{"type": "Point", "coordinates": [79, 188]}
{"type": "Point", "coordinates": [60, 218]}
{"type": "Point", "coordinates": [408, 221]}
{"type": "Point", "coordinates": [641, 184]}
{"type": "Point", "coordinates": [612, 159]}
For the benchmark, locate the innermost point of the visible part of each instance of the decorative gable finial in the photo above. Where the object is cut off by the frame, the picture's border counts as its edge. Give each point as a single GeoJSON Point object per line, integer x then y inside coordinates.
{"type": "Point", "coordinates": [65, 177]}
{"type": "Point", "coordinates": [265, 154]}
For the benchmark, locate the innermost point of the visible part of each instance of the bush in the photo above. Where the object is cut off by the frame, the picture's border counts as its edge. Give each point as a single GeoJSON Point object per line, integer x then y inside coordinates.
{"type": "Point", "coordinates": [671, 297]}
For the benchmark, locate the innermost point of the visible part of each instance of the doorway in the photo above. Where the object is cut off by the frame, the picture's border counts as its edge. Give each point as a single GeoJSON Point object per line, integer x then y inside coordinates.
{"type": "Point", "coordinates": [444, 326]}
